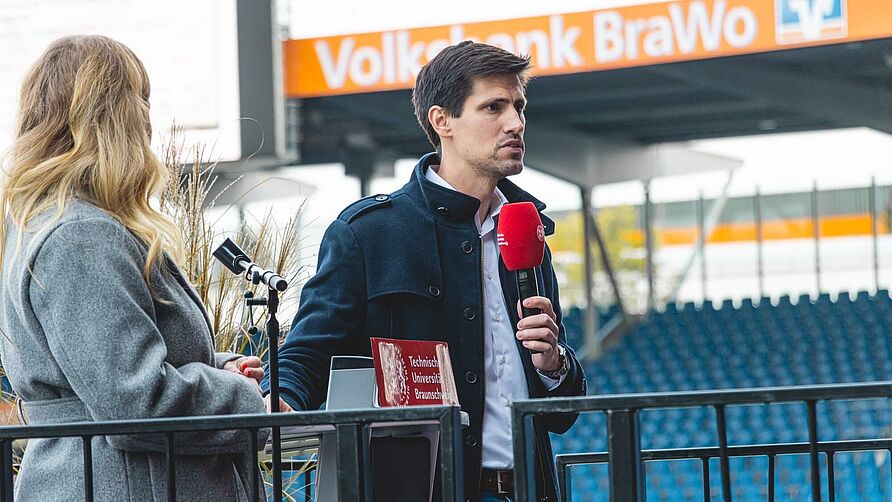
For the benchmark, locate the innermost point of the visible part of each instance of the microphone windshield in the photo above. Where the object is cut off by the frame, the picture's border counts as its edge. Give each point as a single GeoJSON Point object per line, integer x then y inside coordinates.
{"type": "Point", "coordinates": [521, 236]}
{"type": "Point", "coordinates": [231, 256]}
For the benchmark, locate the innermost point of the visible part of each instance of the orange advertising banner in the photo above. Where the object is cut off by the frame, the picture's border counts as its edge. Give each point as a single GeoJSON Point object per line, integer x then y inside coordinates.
{"type": "Point", "coordinates": [587, 41]}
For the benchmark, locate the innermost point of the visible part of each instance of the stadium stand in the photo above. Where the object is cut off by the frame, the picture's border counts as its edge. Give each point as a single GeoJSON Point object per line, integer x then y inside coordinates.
{"type": "Point", "coordinates": [684, 348]}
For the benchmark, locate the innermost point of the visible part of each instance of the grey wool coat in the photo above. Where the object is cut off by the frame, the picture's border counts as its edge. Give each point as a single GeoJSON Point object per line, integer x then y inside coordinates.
{"type": "Point", "coordinates": [84, 340]}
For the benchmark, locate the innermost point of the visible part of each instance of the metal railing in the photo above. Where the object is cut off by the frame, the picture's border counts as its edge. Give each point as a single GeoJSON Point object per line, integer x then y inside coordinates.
{"type": "Point", "coordinates": [353, 455]}
{"type": "Point", "coordinates": [625, 457]}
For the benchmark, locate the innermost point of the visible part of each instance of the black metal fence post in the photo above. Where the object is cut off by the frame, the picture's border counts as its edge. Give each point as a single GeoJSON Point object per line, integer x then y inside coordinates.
{"type": "Point", "coordinates": [353, 457]}
{"type": "Point", "coordinates": [6, 455]}
{"type": "Point", "coordinates": [813, 451]}
{"type": "Point", "coordinates": [707, 490]}
{"type": "Point", "coordinates": [524, 456]}
{"type": "Point", "coordinates": [255, 466]}
{"type": "Point", "coordinates": [308, 496]}
{"type": "Point", "coordinates": [562, 479]}
{"type": "Point", "coordinates": [624, 453]}
{"type": "Point", "coordinates": [831, 478]}
{"type": "Point", "coordinates": [451, 456]}
{"type": "Point", "coordinates": [88, 468]}
{"type": "Point", "coordinates": [724, 463]}
{"type": "Point", "coordinates": [171, 470]}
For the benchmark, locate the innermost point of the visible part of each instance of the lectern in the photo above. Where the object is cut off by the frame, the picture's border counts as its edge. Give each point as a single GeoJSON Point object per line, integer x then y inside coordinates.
{"type": "Point", "coordinates": [402, 455]}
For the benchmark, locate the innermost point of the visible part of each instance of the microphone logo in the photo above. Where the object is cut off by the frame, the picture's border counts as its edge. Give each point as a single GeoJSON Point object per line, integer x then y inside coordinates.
{"type": "Point", "coordinates": [502, 241]}
{"type": "Point", "coordinates": [540, 233]}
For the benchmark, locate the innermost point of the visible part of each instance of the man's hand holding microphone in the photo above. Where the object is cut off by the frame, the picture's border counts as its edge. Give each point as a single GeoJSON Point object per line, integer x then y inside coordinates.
{"type": "Point", "coordinates": [521, 239]}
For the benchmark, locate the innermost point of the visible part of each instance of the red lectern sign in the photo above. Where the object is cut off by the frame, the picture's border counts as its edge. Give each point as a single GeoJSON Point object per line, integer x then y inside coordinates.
{"type": "Point", "coordinates": [413, 373]}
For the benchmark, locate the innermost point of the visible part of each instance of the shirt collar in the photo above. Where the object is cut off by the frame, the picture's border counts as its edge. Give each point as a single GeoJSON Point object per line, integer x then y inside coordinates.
{"type": "Point", "coordinates": [498, 199]}
{"type": "Point", "coordinates": [457, 207]}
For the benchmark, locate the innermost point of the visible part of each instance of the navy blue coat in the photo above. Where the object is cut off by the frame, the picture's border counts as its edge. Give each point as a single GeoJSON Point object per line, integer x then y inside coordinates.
{"type": "Point", "coordinates": [408, 265]}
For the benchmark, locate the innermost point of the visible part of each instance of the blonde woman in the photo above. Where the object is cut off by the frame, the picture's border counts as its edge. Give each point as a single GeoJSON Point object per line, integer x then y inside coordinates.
{"type": "Point", "coordinates": [97, 322]}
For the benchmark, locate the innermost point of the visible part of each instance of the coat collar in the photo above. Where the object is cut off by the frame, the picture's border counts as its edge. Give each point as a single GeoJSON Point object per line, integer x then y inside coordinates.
{"type": "Point", "coordinates": [457, 207]}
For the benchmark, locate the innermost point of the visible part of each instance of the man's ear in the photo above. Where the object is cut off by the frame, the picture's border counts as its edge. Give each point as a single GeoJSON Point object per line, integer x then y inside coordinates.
{"type": "Point", "coordinates": [439, 120]}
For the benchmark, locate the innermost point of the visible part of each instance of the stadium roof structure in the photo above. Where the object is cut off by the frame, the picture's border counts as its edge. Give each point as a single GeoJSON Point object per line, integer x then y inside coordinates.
{"type": "Point", "coordinates": [835, 86]}
{"type": "Point", "coordinates": [613, 84]}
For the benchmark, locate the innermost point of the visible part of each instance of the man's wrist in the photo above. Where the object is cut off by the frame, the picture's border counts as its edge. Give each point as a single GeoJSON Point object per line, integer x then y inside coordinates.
{"type": "Point", "coordinates": [563, 367]}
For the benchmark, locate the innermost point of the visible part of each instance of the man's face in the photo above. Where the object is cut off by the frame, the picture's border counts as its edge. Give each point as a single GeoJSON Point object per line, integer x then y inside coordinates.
{"type": "Point", "coordinates": [488, 135]}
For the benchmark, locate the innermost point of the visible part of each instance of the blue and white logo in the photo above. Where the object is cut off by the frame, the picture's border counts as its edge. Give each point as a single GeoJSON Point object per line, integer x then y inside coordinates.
{"type": "Point", "coordinates": [799, 21]}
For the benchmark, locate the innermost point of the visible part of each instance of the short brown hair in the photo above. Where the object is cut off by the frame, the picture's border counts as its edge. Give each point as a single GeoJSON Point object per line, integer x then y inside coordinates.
{"type": "Point", "coordinates": [447, 79]}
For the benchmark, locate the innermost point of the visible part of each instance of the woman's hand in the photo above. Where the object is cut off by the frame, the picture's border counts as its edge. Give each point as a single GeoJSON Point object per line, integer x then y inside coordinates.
{"type": "Point", "coordinates": [249, 366]}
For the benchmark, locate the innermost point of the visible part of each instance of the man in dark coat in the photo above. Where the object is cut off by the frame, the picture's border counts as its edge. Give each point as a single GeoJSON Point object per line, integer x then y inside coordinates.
{"type": "Point", "coordinates": [423, 263]}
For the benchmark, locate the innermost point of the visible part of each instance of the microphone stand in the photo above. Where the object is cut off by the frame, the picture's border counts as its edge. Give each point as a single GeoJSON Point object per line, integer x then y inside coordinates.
{"type": "Point", "coordinates": [233, 258]}
{"type": "Point", "coordinates": [272, 335]}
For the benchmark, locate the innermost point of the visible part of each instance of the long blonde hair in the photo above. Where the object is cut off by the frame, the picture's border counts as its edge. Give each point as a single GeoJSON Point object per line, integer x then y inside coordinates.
{"type": "Point", "coordinates": [83, 132]}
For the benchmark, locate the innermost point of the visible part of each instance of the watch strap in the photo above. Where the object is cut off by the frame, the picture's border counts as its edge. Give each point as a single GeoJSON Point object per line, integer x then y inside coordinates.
{"type": "Point", "coordinates": [562, 370]}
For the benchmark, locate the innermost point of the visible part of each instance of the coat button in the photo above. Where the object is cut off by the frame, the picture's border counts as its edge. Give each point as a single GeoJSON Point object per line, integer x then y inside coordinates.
{"type": "Point", "coordinates": [470, 314]}
{"type": "Point", "coordinates": [467, 247]}
{"type": "Point", "coordinates": [381, 198]}
{"type": "Point", "coordinates": [471, 377]}
{"type": "Point", "coordinates": [443, 210]}
{"type": "Point", "coordinates": [434, 291]}
{"type": "Point", "coordinates": [470, 441]}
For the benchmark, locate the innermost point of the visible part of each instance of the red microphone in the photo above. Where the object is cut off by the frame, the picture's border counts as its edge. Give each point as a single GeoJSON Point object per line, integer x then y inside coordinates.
{"type": "Point", "coordinates": [521, 238]}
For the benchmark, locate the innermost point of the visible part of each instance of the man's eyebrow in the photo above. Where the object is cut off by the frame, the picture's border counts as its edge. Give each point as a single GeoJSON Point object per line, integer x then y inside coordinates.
{"type": "Point", "coordinates": [494, 101]}
{"type": "Point", "coordinates": [522, 101]}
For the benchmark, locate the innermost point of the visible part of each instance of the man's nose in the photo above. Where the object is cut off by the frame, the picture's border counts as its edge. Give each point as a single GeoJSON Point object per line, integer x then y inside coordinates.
{"type": "Point", "coordinates": [515, 122]}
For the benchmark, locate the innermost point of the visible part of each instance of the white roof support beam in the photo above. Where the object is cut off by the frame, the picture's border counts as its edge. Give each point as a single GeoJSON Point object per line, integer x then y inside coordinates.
{"type": "Point", "coordinates": [587, 162]}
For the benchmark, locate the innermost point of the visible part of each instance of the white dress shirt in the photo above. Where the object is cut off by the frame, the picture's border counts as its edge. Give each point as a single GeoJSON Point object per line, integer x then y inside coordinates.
{"type": "Point", "coordinates": [504, 382]}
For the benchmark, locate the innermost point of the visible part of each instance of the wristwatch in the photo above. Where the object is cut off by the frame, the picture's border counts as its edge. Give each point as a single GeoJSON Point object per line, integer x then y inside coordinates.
{"type": "Point", "coordinates": [562, 370]}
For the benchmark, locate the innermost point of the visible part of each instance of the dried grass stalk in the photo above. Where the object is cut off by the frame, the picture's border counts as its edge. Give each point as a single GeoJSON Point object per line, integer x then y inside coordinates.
{"type": "Point", "coordinates": [186, 200]}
